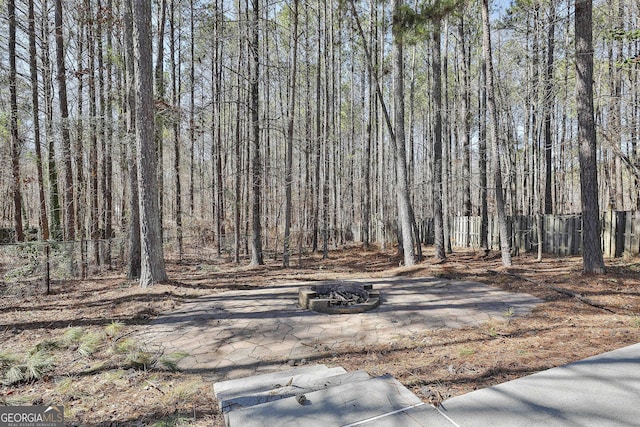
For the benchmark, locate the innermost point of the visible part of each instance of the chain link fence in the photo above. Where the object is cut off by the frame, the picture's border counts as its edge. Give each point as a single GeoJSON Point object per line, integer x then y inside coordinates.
{"type": "Point", "coordinates": [34, 268]}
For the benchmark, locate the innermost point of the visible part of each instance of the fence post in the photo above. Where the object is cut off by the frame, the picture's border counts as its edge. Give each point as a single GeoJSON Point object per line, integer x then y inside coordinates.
{"type": "Point", "coordinates": [607, 232]}
{"type": "Point", "coordinates": [620, 231]}
{"type": "Point", "coordinates": [632, 227]}
{"type": "Point", "coordinates": [47, 269]}
{"type": "Point", "coordinates": [83, 257]}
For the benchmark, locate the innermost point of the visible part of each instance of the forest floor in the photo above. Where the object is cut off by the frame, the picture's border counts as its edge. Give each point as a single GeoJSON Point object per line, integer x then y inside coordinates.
{"type": "Point", "coordinates": [76, 340]}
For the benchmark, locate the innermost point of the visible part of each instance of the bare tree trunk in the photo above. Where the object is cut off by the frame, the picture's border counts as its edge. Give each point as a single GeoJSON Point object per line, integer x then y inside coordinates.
{"type": "Point", "coordinates": [256, 163]}
{"type": "Point", "coordinates": [159, 125]}
{"type": "Point", "coordinates": [78, 154]}
{"type": "Point", "coordinates": [108, 135]}
{"type": "Point", "coordinates": [237, 153]}
{"type": "Point", "coordinates": [52, 173]}
{"type": "Point", "coordinates": [152, 254]}
{"type": "Point", "coordinates": [327, 127]}
{"type": "Point", "coordinates": [482, 159]}
{"type": "Point", "coordinates": [438, 221]}
{"type": "Point", "coordinates": [448, 196]}
{"type": "Point", "coordinates": [13, 126]}
{"type": "Point", "coordinates": [290, 122]}
{"type": "Point", "coordinates": [69, 212]}
{"type": "Point", "coordinates": [495, 151]}
{"type": "Point", "coordinates": [192, 91]}
{"type": "Point", "coordinates": [315, 198]}
{"type": "Point", "coordinates": [366, 163]}
{"type": "Point", "coordinates": [591, 249]}
{"type": "Point", "coordinates": [615, 106]}
{"type": "Point", "coordinates": [466, 120]}
{"type": "Point", "coordinates": [134, 261]}
{"type": "Point", "coordinates": [105, 139]}
{"type": "Point", "coordinates": [403, 198]}
{"type": "Point", "coordinates": [94, 217]}
{"type": "Point", "coordinates": [219, 204]}
{"type": "Point", "coordinates": [33, 71]}
{"type": "Point", "coordinates": [175, 102]}
{"type": "Point", "coordinates": [549, 101]}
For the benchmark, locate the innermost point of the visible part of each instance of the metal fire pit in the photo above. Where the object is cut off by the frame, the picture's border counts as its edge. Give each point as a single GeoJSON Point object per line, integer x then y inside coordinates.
{"type": "Point", "coordinates": [339, 297]}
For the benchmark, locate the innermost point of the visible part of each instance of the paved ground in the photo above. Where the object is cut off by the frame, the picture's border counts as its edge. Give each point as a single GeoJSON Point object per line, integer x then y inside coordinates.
{"type": "Point", "coordinates": [603, 390]}
{"type": "Point", "coordinates": [241, 333]}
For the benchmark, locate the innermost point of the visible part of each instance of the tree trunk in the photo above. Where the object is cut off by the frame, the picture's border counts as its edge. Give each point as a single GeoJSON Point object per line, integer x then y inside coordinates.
{"type": "Point", "coordinates": [152, 255]}
{"type": "Point", "coordinates": [13, 126]}
{"type": "Point", "coordinates": [159, 124]}
{"type": "Point", "coordinates": [33, 71]}
{"type": "Point", "coordinates": [466, 121]}
{"type": "Point", "coordinates": [615, 106]}
{"type": "Point", "coordinates": [366, 162]}
{"type": "Point", "coordinates": [94, 217]}
{"type": "Point", "coordinates": [192, 90]}
{"type": "Point", "coordinates": [52, 173]}
{"type": "Point", "coordinates": [69, 212]}
{"type": "Point", "coordinates": [402, 187]}
{"type": "Point", "coordinates": [326, 135]}
{"type": "Point", "coordinates": [438, 222]}
{"type": "Point", "coordinates": [237, 154]}
{"type": "Point", "coordinates": [290, 123]}
{"type": "Point", "coordinates": [108, 133]}
{"type": "Point", "coordinates": [218, 186]}
{"type": "Point", "coordinates": [495, 151]}
{"type": "Point", "coordinates": [549, 101]}
{"type": "Point", "coordinates": [482, 159]}
{"type": "Point", "coordinates": [78, 154]}
{"type": "Point", "coordinates": [448, 196]}
{"type": "Point", "coordinates": [256, 162]}
{"type": "Point", "coordinates": [315, 198]}
{"type": "Point", "coordinates": [134, 261]}
{"type": "Point", "coordinates": [175, 101]}
{"type": "Point", "coordinates": [591, 243]}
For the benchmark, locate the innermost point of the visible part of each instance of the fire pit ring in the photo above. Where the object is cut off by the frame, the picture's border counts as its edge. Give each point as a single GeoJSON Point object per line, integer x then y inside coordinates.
{"type": "Point", "coordinates": [339, 297]}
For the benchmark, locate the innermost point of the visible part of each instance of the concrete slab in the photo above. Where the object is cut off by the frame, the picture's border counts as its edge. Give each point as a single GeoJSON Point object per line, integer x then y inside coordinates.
{"type": "Point", "coordinates": [335, 406]}
{"type": "Point", "coordinates": [598, 391]}
{"type": "Point", "coordinates": [302, 384]}
{"type": "Point", "coordinates": [421, 415]}
{"type": "Point", "coordinates": [229, 389]}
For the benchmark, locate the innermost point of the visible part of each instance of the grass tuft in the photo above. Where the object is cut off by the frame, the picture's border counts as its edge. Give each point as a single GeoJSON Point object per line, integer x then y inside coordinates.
{"type": "Point", "coordinates": [140, 359]}
{"type": "Point", "coordinates": [64, 385]}
{"type": "Point", "coordinates": [46, 345]}
{"type": "Point", "coordinates": [172, 421]}
{"type": "Point", "coordinates": [72, 336]}
{"type": "Point", "coordinates": [185, 392]}
{"type": "Point", "coordinates": [114, 329]}
{"type": "Point", "coordinates": [170, 361]}
{"type": "Point", "coordinates": [89, 343]}
{"type": "Point", "coordinates": [32, 368]}
{"type": "Point", "coordinates": [466, 351]}
{"type": "Point", "coordinates": [7, 359]}
{"type": "Point", "coordinates": [125, 346]}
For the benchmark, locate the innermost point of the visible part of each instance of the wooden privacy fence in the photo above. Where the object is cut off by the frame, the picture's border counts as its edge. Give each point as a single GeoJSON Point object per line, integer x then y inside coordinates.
{"type": "Point", "coordinates": [562, 234]}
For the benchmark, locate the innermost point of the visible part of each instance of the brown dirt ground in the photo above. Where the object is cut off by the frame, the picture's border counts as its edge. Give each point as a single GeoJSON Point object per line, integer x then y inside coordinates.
{"type": "Point", "coordinates": [103, 388]}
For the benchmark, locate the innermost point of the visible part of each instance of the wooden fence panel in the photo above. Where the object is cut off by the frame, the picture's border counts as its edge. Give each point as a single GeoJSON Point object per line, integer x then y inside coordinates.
{"type": "Point", "coordinates": [548, 230]}
{"type": "Point", "coordinates": [631, 233]}
{"type": "Point", "coordinates": [608, 234]}
{"type": "Point", "coordinates": [562, 234]}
